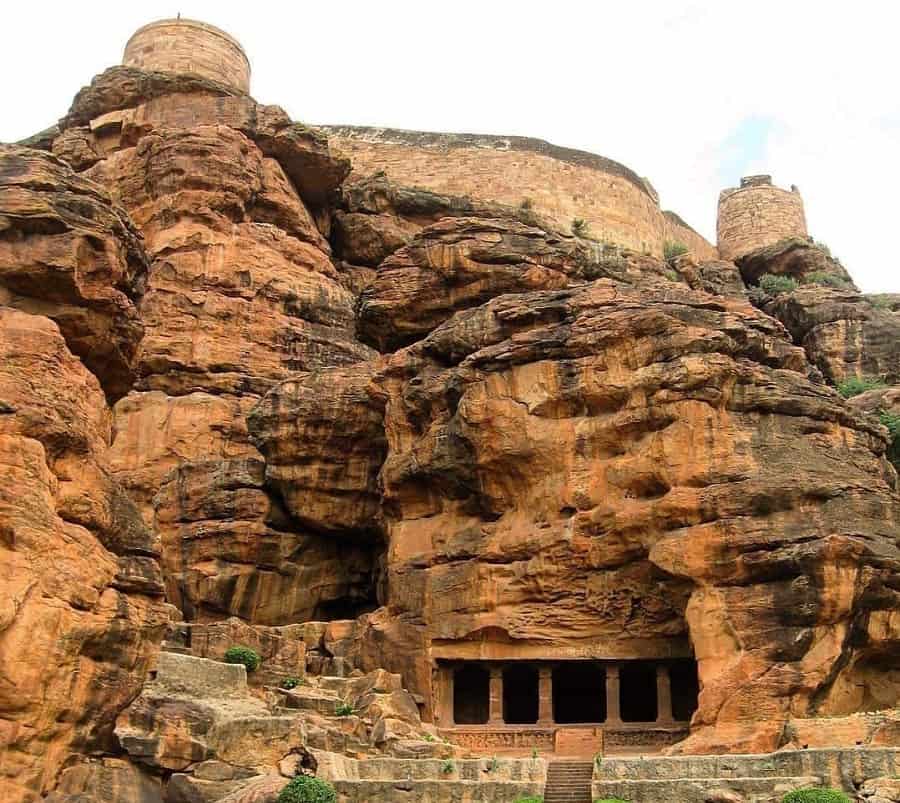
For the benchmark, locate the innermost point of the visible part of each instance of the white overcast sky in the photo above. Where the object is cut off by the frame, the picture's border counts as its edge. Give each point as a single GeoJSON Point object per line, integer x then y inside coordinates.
{"type": "Point", "coordinates": [690, 93]}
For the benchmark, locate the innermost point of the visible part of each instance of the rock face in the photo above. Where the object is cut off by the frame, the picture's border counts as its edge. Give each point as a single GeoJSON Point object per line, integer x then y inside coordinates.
{"type": "Point", "coordinates": [241, 292]}
{"type": "Point", "coordinates": [82, 609]}
{"type": "Point", "coordinates": [844, 333]}
{"type": "Point", "coordinates": [367, 429]}
{"type": "Point", "coordinates": [67, 253]}
{"type": "Point", "coordinates": [577, 417]}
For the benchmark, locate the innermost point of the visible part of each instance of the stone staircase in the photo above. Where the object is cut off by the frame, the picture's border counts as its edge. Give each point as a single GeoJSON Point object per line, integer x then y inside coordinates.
{"type": "Point", "coordinates": [569, 781]}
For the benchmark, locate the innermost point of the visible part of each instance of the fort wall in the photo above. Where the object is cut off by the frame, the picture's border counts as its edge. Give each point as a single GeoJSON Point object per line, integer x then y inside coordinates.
{"type": "Point", "coordinates": [757, 214]}
{"type": "Point", "coordinates": [560, 183]}
{"type": "Point", "coordinates": [188, 46]}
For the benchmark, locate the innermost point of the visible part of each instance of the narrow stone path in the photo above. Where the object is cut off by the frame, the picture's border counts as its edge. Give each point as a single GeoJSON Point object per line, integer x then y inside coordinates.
{"type": "Point", "coordinates": [569, 781]}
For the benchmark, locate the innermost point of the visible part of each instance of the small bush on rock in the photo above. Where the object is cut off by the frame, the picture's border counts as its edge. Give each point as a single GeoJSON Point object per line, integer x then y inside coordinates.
{"type": "Point", "coordinates": [580, 227]}
{"type": "Point", "coordinates": [306, 789]}
{"type": "Point", "coordinates": [448, 766]}
{"type": "Point", "coordinates": [815, 796]}
{"type": "Point", "coordinates": [530, 800]}
{"type": "Point", "coordinates": [290, 683]}
{"type": "Point", "coordinates": [855, 385]}
{"type": "Point", "coordinates": [892, 422]}
{"type": "Point", "coordinates": [776, 285]}
{"type": "Point", "coordinates": [829, 279]}
{"type": "Point", "coordinates": [243, 655]}
{"type": "Point", "coordinates": [671, 250]}
{"type": "Point", "coordinates": [344, 710]}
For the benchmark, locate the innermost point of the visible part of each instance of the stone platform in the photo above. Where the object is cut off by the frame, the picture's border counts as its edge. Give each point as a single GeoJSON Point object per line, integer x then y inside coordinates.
{"type": "Point", "coordinates": [761, 778]}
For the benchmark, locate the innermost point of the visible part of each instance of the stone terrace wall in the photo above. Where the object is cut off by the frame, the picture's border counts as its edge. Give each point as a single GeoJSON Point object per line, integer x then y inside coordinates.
{"type": "Point", "coordinates": [757, 214]}
{"type": "Point", "coordinates": [188, 46]}
{"type": "Point", "coordinates": [561, 183]}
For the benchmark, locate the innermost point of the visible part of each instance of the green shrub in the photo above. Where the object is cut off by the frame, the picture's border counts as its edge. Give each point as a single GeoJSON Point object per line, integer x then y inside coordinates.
{"type": "Point", "coordinates": [493, 764]}
{"type": "Point", "coordinates": [428, 737]}
{"type": "Point", "coordinates": [344, 710]}
{"type": "Point", "coordinates": [815, 796]}
{"type": "Point", "coordinates": [306, 789]}
{"type": "Point", "coordinates": [529, 800]}
{"type": "Point", "coordinates": [829, 279]}
{"type": "Point", "coordinates": [243, 655]}
{"type": "Point", "coordinates": [672, 249]}
{"type": "Point", "coordinates": [534, 752]}
{"type": "Point", "coordinates": [448, 766]}
{"type": "Point", "coordinates": [858, 384]}
{"type": "Point", "coordinates": [880, 302]}
{"type": "Point", "coordinates": [892, 422]}
{"type": "Point", "coordinates": [776, 285]}
{"type": "Point", "coordinates": [822, 247]}
{"type": "Point", "coordinates": [290, 683]}
{"type": "Point", "coordinates": [580, 227]}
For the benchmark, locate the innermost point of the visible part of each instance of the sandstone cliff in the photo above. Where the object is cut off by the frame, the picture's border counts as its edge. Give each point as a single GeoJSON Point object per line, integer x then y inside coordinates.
{"type": "Point", "coordinates": [365, 427]}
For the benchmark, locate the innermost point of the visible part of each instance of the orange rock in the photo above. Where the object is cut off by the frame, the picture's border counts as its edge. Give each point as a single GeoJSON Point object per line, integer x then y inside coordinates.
{"type": "Point", "coordinates": [70, 254]}
{"type": "Point", "coordinates": [81, 615]}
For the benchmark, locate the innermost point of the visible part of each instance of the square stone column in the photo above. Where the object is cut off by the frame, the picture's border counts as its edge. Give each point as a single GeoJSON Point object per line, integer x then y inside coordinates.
{"type": "Point", "coordinates": [495, 715]}
{"type": "Point", "coordinates": [613, 710]}
{"type": "Point", "coordinates": [663, 694]}
{"type": "Point", "coordinates": [445, 696]}
{"type": "Point", "coordinates": [545, 696]}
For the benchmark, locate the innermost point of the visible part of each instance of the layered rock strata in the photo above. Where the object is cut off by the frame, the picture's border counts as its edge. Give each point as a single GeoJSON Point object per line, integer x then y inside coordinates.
{"type": "Point", "coordinates": [367, 428]}
{"type": "Point", "coordinates": [82, 613]}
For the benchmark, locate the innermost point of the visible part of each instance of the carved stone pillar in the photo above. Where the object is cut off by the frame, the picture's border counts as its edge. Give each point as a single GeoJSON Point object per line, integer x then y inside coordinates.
{"type": "Point", "coordinates": [613, 710]}
{"type": "Point", "coordinates": [663, 694]}
{"type": "Point", "coordinates": [445, 683]}
{"type": "Point", "coordinates": [545, 696]}
{"type": "Point", "coordinates": [495, 715]}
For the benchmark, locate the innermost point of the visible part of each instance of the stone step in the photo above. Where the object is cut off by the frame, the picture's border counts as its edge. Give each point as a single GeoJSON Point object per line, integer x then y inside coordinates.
{"type": "Point", "coordinates": [697, 790]}
{"type": "Point", "coordinates": [569, 781]}
{"type": "Point", "coordinates": [304, 699]}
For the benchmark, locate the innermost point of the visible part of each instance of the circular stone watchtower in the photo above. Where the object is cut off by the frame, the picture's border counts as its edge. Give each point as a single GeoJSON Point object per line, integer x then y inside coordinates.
{"type": "Point", "coordinates": [189, 46]}
{"type": "Point", "coordinates": [757, 214]}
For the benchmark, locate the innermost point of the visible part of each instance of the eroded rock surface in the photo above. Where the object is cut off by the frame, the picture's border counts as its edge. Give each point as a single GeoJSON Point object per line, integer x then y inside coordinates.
{"type": "Point", "coordinates": [629, 467]}
{"type": "Point", "coordinates": [241, 293]}
{"type": "Point", "coordinates": [68, 253]}
{"type": "Point", "coordinates": [366, 429]}
{"type": "Point", "coordinates": [843, 332]}
{"type": "Point", "coordinates": [82, 614]}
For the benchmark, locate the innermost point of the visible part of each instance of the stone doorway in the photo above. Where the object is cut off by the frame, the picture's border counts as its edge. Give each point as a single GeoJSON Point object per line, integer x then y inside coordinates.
{"type": "Point", "coordinates": [520, 694]}
{"type": "Point", "coordinates": [685, 689]}
{"type": "Point", "coordinates": [471, 695]}
{"type": "Point", "coordinates": [579, 693]}
{"type": "Point", "coordinates": [637, 692]}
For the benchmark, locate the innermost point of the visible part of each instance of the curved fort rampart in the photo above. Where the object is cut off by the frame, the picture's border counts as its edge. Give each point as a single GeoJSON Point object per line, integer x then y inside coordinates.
{"type": "Point", "coordinates": [757, 214]}
{"type": "Point", "coordinates": [560, 183]}
{"type": "Point", "coordinates": [189, 46]}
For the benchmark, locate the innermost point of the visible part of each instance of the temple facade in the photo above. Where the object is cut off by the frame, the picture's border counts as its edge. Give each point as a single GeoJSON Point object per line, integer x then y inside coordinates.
{"type": "Point", "coordinates": [558, 705]}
